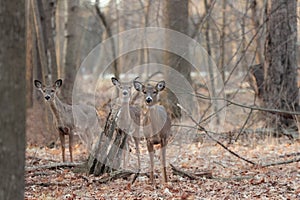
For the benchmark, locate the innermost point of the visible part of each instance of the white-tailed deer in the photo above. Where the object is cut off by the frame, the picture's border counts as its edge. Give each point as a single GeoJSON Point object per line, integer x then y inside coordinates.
{"type": "Point", "coordinates": [81, 119]}
{"type": "Point", "coordinates": [128, 115]}
{"type": "Point", "coordinates": [157, 124]}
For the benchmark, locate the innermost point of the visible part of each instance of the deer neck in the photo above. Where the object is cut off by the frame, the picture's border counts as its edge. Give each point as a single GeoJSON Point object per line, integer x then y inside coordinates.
{"type": "Point", "coordinates": [57, 108]}
{"type": "Point", "coordinates": [124, 115]}
{"type": "Point", "coordinates": [156, 115]}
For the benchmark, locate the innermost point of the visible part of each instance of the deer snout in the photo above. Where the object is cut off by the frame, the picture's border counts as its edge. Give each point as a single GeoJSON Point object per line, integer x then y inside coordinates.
{"type": "Point", "coordinates": [149, 99]}
{"type": "Point", "coordinates": [47, 97]}
{"type": "Point", "coordinates": [125, 93]}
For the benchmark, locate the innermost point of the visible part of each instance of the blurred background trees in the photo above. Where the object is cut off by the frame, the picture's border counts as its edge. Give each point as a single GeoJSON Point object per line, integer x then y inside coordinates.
{"type": "Point", "coordinates": [237, 35]}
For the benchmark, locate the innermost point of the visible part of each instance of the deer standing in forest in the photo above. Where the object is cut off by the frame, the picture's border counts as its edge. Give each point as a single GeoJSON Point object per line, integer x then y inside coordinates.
{"type": "Point", "coordinates": [128, 115]}
{"type": "Point", "coordinates": [81, 119]}
{"type": "Point", "coordinates": [156, 123]}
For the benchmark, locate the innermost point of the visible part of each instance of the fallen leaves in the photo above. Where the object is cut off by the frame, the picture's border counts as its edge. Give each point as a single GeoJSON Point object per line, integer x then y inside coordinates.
{"type": "Point", "coordinates": [231, 177]}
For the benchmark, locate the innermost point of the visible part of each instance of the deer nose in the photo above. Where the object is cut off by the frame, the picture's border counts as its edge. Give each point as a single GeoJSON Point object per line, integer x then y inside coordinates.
{"type": "Point", "coordinates": [47, 97]}
{"type": "Point", "coordinates": [148, 99]}
{"type": "Point", "coordinates": [125, 93]}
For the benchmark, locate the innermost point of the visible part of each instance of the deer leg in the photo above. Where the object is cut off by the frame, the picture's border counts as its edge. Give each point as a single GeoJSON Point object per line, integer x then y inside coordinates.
{"type": "Point", "coordinates": [125, 152]}
{"type": "Point", "coordinates": [62, 143]}
{"type": "Point", "coordinates": [136, 141]}
{"type": "Point", "coordinates": [70, 145]}
{"type": "Point", "coordinates": [151, 155]}
{"type": "Point", "coordinates": [163, 163]}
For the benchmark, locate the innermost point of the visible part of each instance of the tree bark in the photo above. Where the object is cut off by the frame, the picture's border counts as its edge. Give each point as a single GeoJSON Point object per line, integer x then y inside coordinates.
{"type": "Point", "coordinates": [30, 54]}
{"type": "Point", "coordinates": [256, 24]}
{"type": "Point", "coordinates": [43, 12]}
{"type": "Point", "coordinates": [106, 156]}
{"type": "Point", "coordinates": [43, 16]}
{"type": "Point", "coordinates": [72, 59]}
{"type": "Point", "coordinates": [280, 82]}
{"type": "Point", "coordinates": [12, 89]}
{"type": "Point", "coordinates": [176, 18]}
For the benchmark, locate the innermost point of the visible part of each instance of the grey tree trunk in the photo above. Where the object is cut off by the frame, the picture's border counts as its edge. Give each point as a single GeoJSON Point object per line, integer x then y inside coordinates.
{"type": "Point", "coordinates": [176, 15]}
{"type": "Point", "coordinates": [44, 12]}
{"type": "Point", "coordinates": [12, 101]}
{"type": "Point", "coordinates": [280, 82]}
{"type": "Point", "coordinates": [72, 59]}
{"type": "Point", "coordinates": [31, 55]}
{"type": "Point", "coordinates": [176, 18]}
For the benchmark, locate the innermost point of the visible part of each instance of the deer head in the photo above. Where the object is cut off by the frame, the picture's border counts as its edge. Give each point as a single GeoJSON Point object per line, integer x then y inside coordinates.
{"type": "Point", "coordinates": [49, 92]}
{"type": "Point", "coordinates": [150, 92]}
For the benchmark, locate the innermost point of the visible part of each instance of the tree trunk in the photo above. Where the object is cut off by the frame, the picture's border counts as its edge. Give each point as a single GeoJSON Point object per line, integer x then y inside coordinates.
{"type": "Point", "coordinates": [30, 54]}
{"type": "Point", "coordinates": [72, 59]}
{"type": "Point", "coordinates": [106, 156]}
{"type": "Point", "coordinates": [12, 89]}
{"type": "Point", "coordinates": [280, 84]}
{"type": "Point", "coordinates": [256, 30]}
{"type": "Point", "coordinates": [43, 13]}
{"type": "Point", "coordinates": [108, 34]}
{"type": "Point", "coordinates": [176, 18]}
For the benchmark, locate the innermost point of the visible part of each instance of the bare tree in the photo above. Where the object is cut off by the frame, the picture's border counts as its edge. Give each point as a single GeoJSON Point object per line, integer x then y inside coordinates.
{"type": "Point", "coordinates": [44, 12]}
{"type": "Point", "coordinates": [31, 55]}
{"type": "Point", "coordinates": [176, 15]}
{"type": "Point", "coordinates": [280, 84]}
{"type": "Point", "coordinates": [176, 18]}
{"type": "Point", "coordinates": [43, 15]}
{"type": "Point", "coordinates": [12, 88]}
{"type": "Point", "coordinates": [72, 60]}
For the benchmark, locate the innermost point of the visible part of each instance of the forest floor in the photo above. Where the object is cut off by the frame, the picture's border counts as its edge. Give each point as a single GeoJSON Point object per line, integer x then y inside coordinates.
{"type": "Point", "coordinates": [232, 178]}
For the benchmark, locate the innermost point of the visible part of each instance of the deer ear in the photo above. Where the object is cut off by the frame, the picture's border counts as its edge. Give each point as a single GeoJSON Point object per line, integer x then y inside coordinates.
{"type": "Point", "coordinates": [58, 83]}
{"type": "Point", "coordinates": [115, 81]}
{"type": "Point", "coordinates": [138, 85]}
{"type": "Point", "coordinates": [38, 84]}
{"type": "Point", "coordinates": [160, 85]}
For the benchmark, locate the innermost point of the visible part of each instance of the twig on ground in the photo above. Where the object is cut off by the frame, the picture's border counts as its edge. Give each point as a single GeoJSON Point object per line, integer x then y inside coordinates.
{"type": "Point", "coordinates": [47, 184]}
{"type": "Point", "coordinates": [54, 166]}
{"type": "Point", "coordinates": [190, 175]}
{"type": "Point", "coordinates": [290, 154]}
{"type": "Point", "coordinates": [281, 163]}
{"type": "Point", "coordinates": [117, 175]}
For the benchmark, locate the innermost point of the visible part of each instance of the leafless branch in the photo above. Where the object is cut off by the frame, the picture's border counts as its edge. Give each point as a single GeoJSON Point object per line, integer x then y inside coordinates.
{"type": "Point", "coordinates": [281, 162]}
{"type": "Point", "coordinates": [54, 166]}
{"type": "Point", "coordinates": [219, 143]}
{"type": "Point", "coordinates": [249, 107]}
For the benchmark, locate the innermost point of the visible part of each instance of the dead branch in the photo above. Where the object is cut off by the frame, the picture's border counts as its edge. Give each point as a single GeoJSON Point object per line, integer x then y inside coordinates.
{"type": "Point", "coordinates": [235, 178]}
{"type": "Point", "coordinates": [208, 175]}
{"type": "Point", "coordinates": [249, 107]}
{"type": "Point", "coordinates": [281, 162]}
{"type": "Point", "coordinates": [39, 173]}
{"type": "Point", "coordinates": [117, 175]}
{"type": "Point", "coordinates": [46, 184]}
{"type": "Point", "coordinates": [54, 166]}
{"type": "Point", "coordinates": [190, 175]}
{"type": "Point", "coordinates": [219, 143]}
{"type": "Point", "coordinates": [290, 155]}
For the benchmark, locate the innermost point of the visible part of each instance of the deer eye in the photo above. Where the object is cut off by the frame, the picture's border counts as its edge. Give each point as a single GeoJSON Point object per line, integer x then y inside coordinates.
{"type": "Point", "coordinates": [154, 92]}
{"type": "Point", "coordinates": [52, 90]}
{"type": "Point", "coordinates": [144, 92]}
